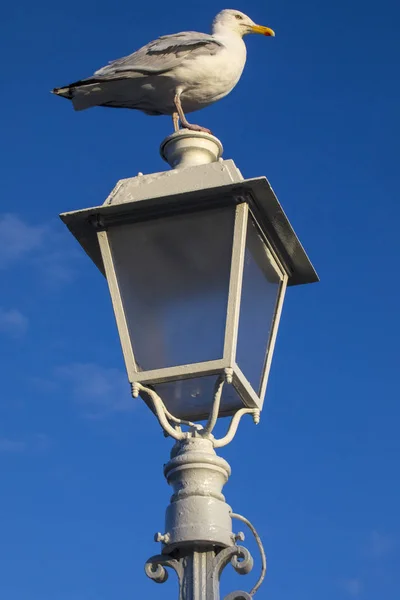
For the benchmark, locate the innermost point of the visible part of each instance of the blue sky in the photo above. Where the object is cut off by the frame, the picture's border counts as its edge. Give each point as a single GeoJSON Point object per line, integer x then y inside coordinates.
{"type": "Point", "coordinates": [82, 490]}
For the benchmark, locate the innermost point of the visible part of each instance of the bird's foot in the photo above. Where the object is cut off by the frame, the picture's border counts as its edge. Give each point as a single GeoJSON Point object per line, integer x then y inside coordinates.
{"type": "Point", "coordinates": [181, 115]}
{"type": "Point", "coordinates": [196, 128]}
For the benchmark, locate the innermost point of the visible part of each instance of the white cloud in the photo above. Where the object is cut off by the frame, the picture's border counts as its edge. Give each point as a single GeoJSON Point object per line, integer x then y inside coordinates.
{"type": "Point", "coordinates": [352, 586]}
{"type": "Point", "coordinates": [10, 446]}
{"type": "Point", "coordinates": [55, 261]}
{"type": "Point", "coordinates": [33, 443]}
{"type": "Point", "coordinates": [379, 544]}
{"type": "Point", "coordinates": [13, 322]}
{"type": "Point", "coordinates": [18, 239]}
{"type": "Point", "coordinates": [102, 390]}
{"type": "Point", "coordinates": [47, 248]}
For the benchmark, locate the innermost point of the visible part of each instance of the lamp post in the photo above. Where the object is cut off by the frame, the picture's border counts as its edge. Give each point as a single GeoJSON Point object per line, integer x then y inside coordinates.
{"type": "Point", "coordinates": [197, 260]}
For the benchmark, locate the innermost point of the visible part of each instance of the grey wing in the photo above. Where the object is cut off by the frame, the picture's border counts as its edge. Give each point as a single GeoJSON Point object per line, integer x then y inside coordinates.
{"type": "Point", "coordinates": [163, 54]}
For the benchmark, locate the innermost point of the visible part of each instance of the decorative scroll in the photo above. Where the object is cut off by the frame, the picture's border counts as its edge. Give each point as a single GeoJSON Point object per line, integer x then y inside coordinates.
{"type": "Point", "coordinates": [155, 568]}
{"type": "Point", "coordinates": [191, 571]}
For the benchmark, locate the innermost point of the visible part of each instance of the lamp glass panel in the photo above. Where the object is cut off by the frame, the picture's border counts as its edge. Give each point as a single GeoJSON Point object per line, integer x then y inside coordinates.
{"type": "Point", "coordinates": [173, 277]}
{"type": "Point", "coordinates": [261, 287]}
{"type": "Point", "coordinates": [193, 398]}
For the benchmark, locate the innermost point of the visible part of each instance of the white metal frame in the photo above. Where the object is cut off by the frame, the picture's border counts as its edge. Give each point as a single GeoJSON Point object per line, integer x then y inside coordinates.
{"type": "Point", "coordinates": [251, 398]}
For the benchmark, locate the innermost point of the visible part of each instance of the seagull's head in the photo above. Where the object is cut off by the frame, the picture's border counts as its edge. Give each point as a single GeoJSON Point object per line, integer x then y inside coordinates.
{"type": "Point", "coordinates": [238, 22]}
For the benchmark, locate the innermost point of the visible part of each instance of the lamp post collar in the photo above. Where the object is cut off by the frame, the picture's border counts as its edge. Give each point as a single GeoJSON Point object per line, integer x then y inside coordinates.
{"type": "Point", "coordinates": [186, 148]}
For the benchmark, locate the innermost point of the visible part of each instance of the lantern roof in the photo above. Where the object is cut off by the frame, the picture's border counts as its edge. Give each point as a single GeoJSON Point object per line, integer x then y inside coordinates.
{"type": "Point", "coordinates": [194, 188]}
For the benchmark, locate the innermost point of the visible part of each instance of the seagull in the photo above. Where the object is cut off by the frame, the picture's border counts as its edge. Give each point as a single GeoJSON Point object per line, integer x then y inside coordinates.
{"type": "Point", "coordinates": [173, 75]}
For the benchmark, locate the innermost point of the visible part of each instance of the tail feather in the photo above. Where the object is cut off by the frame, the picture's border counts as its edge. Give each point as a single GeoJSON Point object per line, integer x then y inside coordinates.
{"type": "Point", "coordinates": [73, 90]}
{"type": "Point", "coordinates": [121, 92]}
{"type": "Point", "coordinates": [64, 92]}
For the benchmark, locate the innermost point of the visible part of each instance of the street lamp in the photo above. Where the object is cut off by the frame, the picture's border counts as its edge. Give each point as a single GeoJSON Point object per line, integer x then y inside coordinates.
{"type": "Point", "coordinates": [197, 261]}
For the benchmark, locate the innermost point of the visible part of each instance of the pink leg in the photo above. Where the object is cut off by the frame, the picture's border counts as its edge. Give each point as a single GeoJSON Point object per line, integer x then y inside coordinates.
{"type": "Point", "coordinates": [184, 121]}
{"type": "Point", "coordinates": [175, 119]}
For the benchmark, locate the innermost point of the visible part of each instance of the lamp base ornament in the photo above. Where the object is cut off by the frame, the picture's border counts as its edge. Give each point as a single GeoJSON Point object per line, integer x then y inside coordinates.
{"type": "Point", "coordinates": [198, 542]}
{"type": "Point", "coordinates": [199, 571]}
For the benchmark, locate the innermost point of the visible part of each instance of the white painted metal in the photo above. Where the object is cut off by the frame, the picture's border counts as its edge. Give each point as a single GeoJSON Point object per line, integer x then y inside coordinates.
{"type": "Point", "coordinates": [187, 189]}
{"type": "Point", "coordinates": [276, 263]}
{"type": "Point", "coordinates": [166, 183]}
{"type": "Point", "coordinates": [198, 512]}
{"type": "Point", "coordinates": [249, 396]}
{"type": "Point", "coordinates": [210, 367]}
{"type": "Point", "coordinates": [117, 303]}
{"type": "Point", "coordinates": [274, 333]}
{"type": "Point", "coordinates": [172, 425]}
{"type": "Point", "coordinates": [199, 572]}
{"type": "Point", "coordinates": [186, 148]}
{"type": "Point", "coordinates": [198, 542]}
{"type": "Point", "coordinates": [235, 285]}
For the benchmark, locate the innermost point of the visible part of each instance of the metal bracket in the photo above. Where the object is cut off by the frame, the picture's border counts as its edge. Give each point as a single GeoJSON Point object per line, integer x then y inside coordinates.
{"type": "Point", "coordinates": [155, 568]}
{"type": "Point", "coordinates": [172, 426]}
{"type": "Point", "coordinates": [199, 572]}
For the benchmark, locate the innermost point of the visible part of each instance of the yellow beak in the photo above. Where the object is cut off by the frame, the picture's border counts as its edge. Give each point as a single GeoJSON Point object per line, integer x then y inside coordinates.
{"type": "Point", "coordinates": [263, 30]}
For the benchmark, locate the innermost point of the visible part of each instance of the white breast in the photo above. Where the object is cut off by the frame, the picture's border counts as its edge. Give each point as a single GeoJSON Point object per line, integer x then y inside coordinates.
{"type": "Point", "coordinates": [206, 79]}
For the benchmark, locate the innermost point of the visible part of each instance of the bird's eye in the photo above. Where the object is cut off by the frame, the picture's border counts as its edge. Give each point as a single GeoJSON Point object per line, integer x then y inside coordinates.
{"type": "Point", "coordinates": [239, 17]}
